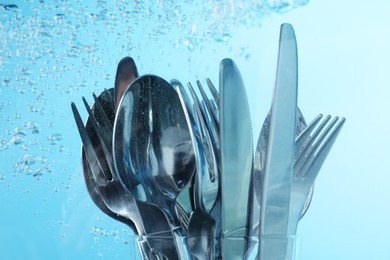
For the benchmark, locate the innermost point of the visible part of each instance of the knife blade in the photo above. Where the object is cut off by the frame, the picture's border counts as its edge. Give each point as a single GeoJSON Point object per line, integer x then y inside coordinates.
{"type": "Point", "coordinates": [236, 156]}
{"type": "Point", "coordinates": [274, 226]}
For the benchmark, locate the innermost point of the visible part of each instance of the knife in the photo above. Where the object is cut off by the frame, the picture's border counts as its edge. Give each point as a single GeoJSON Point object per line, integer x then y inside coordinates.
{"type": "Point", "coordinates": [274, 226]}
{"type": "Point", "coordinates": [236, 157]}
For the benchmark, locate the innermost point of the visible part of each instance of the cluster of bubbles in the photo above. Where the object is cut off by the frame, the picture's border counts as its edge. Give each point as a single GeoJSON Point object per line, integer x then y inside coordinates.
{"type": "Point", "coordinates": [34, 165]}
{"type": "Point", "coordinates": [120, 237]}
{"type": "Point", "coordinates": [37, 30]}
{"type": "Point", "coordinates": [52, 47]}
{"type": "Point", "coordinates": [27, 139]}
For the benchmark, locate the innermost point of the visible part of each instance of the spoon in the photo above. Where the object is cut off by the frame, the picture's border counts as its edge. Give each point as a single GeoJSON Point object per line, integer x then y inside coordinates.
{"type": "Point", "coordinates": [153, 152]}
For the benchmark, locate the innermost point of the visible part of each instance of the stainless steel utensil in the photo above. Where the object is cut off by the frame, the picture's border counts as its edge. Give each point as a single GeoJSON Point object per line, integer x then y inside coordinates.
{"type": "Point", "coordinates": [236, 155]}
{"type": "Point", "coordinates": [126, 73]}
{"type": "Point", "coordinates": [153, 152]}
{"type": "Point", "coordinates": [311, 154]}
{"type": "Point", "coordinates": [258, 172]}
{"type": "Point", "coordinates": [201, 225]}
{"type": "Point", "coordinates": [201, 235]}
{"type": "Point", "coordinates": [280, 152]}
{"type": "Point", "coordinates": [92, 186]}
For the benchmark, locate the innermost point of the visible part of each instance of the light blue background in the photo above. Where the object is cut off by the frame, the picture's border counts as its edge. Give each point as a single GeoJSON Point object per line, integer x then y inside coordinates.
{"type": "Point", "coordinates": [49, 60]}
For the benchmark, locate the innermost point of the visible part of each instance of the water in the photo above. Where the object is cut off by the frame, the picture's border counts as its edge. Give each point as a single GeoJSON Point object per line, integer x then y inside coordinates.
{"type": "Point", "coordinates": [55, 52]}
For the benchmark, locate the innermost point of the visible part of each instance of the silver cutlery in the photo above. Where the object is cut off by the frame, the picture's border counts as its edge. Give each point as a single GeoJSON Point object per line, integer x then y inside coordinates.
{"type": "Point", "coordinates": [152, 147]}
{"type": "Point", "coordinates": [179, 169]}
{"type": "Point", "coordinates": [311, 154]}
{"type": "Point", "coordinates": [258, 175]}
{"type": "Point", "coordinates": [201, 230]}
{"type": "Point", "coordinates": [278, 174]}
{"type": "Point", "coordinates": [94, 191]}
{"type": "Point", "coordinates": [236, 156]}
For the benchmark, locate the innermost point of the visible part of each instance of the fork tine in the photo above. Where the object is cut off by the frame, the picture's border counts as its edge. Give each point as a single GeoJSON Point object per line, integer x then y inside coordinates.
{"type": "Point", "coordinates": [214, 129]}
{"type": "Point", "coordinates": [303, 137]}
{"type": "Point", "coordinates": [92, 157]}
{"type": "Point", "coordinates": [102, 113]}
{"type": "Point", "coordinates": [210, 155]}
{"type": "Point", "coordinates": [215, 100]}
{"type": "Point", "coordinates": [310, 149]}
{"type": "Point", "coordinates": [305, 148]}
{"type": "Point", "coordinates": [322, 150]}
{"type": "Point", "coordinates": [183, 215]}
{"type": "Point", "coordinates": [112, 101]}
{"type": "Point", "coordinates": [103, 142]}
{"type": "Point", "coordinates": [208, 103]}
{"type": "Point", "coordinates": [213, 91]}
{"type": "Point", "coordinates": [104, 124]}
{"type": "Point", "coordinates": [198, 111]}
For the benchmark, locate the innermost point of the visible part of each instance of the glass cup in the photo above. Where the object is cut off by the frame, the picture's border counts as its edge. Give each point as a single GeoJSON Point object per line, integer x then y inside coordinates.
{"type": "Point", "coordinates": [227, 248]}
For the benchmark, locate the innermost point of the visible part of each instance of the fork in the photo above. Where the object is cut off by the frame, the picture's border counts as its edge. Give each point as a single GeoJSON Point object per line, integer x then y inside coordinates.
{"type": "Point", "coordinates": [311, 152]}
{"type": "Point", "coordinates": [93, 188]}
{"type": "Point", "coordinates": [205, 191]}
{"type": "Point", "coordinates": [207, 161]}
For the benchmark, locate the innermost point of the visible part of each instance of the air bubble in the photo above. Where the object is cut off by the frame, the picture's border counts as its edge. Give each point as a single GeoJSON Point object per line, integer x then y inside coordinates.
{"type": "Point", "coordinates": [54, 138]}
{"type": "Point", "coordinates": [33, 165]}
{"type": "Point", "coordinates": [3, 145]}
{"type": "Point", "coordinates": [17, 138]}
{"type": "Point", "coordinates": [34, 127]}
{"type": "Point", "coordinates": [27, 159]}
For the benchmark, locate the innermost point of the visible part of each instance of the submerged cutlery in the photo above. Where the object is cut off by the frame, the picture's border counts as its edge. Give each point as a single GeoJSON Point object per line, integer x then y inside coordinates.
{"type": "Point", "coordinates": [201, 230]}
{"type": "Point", "coordinates": [236, 156]}
{"type": "Point", "coordinates": [276, 189]}
{"type": "Point", "coordinates": [258, 172]}
{"type": "Point", "coordinates": [311, 154]}
{"type": "Point", "coordinates": [93, 188]}
{"type": "Point", "coordinates": [153, 151]}
{"type": "Point", "coordinates": [126, 73]}
{"type": "Point", "coordinates": [146, 142]}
